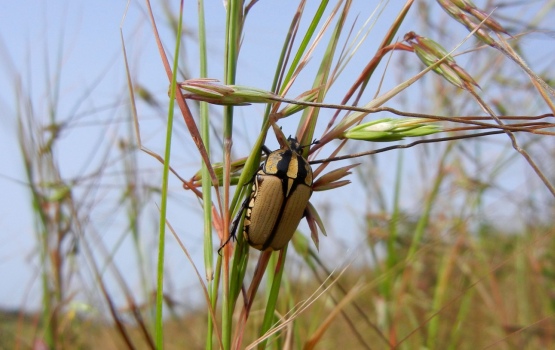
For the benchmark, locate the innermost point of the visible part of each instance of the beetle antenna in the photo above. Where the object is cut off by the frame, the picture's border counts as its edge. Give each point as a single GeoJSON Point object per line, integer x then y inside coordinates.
{"type": "Point", "coordinates": [314, 142]}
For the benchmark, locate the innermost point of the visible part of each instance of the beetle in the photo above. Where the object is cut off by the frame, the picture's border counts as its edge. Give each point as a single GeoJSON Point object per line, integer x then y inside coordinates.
{"type": "Point", "coordinates": [280, 192]}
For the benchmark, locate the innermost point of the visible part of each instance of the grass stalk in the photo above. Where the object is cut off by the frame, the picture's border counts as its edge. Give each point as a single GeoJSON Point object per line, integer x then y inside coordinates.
{"type": "Point", "coordinates": [429, 204]}
{"type": "Point", "coordinates": [275, 277]}
{"type": "Point", "coordinates": [206, 186]}
{"type": "Point", "coordinates": [159, 323]}
{"type": "Point", "coordinates": [234, 24]}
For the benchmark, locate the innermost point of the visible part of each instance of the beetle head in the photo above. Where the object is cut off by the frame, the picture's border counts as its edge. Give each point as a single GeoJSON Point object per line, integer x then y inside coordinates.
{"type": "Point", "coordinates": [294, 144]}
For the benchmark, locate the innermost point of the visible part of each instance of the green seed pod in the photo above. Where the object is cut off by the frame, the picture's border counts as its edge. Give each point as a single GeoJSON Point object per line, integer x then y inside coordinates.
{"type": "Point", "coordinates": [280, 193]}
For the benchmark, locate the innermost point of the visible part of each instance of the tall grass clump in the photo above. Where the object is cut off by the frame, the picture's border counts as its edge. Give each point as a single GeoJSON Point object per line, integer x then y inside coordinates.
{"type": "Point", "coordinates": [426, 110]}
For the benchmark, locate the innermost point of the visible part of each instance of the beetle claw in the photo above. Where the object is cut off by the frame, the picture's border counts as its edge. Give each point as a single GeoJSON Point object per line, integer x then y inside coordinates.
{"type": "Point", "coordinates": [223, 245]}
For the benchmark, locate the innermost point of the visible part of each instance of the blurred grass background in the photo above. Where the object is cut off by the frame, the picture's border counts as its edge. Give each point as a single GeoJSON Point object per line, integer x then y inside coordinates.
{"type": "Point", "coordinates": [447, 245]}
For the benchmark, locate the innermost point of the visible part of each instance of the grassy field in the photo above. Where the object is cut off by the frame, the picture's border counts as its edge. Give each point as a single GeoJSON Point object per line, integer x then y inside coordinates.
{"type": "Point", "coordinates": [431, 222]}
{"type": "Point", "coordinates": [489, 292]}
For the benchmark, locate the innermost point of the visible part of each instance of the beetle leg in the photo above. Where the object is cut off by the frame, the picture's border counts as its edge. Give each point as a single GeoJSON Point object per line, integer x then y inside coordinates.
{"type": "Point", "coordinates": [233, 231]}
{"type": "Point", "coordinates": [266, 150]}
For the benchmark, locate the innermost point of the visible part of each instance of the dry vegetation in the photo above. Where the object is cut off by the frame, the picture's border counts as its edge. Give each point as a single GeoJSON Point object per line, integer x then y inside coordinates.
{"type": "Point", "coordinates": [449, 246]}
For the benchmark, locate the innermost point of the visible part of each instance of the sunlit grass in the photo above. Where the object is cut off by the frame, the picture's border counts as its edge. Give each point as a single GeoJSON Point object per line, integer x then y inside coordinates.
{"type": "Point", "coordinates": [439, 274]}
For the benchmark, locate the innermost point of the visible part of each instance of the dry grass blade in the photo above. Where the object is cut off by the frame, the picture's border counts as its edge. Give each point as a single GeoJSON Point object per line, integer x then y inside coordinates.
{"type": "Point", "coordinates": [187, 116]}
{"type": "Point", "coordinates": [201, 283]}
{"type": "Point", "coordinates": [136, 126]}
{"type": "Point", "coordinates": [260, 270]}
{"type": "Point", "coordinates": [519, 149]}
{"type": "Point", "coordinates": [304, 306]}
{"type": "Point", "coordinates": [319, 333]}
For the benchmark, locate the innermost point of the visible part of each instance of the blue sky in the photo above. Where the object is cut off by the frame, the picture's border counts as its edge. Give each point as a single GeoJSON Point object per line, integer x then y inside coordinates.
{"type": "Point", "coordinates": [72, 50]}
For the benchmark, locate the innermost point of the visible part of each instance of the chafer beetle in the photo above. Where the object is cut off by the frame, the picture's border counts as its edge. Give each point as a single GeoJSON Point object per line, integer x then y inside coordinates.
{"type": "Point", "coordinates": [280, 192]}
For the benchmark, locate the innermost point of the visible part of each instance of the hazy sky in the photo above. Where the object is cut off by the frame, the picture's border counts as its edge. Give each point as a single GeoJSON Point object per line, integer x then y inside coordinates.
{"type": "Point", "coordinates": [65, 57]}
